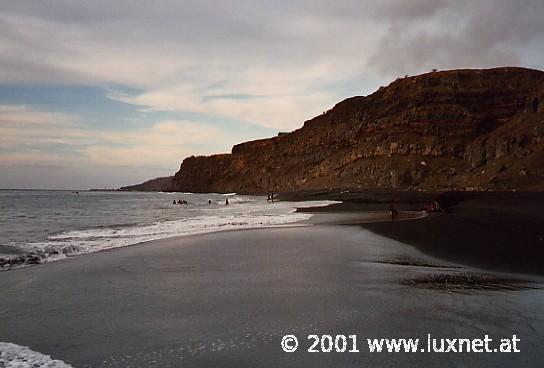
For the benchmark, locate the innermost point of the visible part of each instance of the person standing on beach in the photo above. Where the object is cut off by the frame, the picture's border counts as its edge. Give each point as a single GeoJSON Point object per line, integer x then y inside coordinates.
{"type": "Point", "coordinates": [393, 210]}
{"type": "Point", "coordinates": [226, 201]}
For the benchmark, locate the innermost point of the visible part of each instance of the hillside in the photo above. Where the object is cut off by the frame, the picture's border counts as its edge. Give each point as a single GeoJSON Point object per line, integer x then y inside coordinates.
{"type": "Point", "coordinates": [459, 129]}
{"type": "Point", "coordinates": [153, 185]}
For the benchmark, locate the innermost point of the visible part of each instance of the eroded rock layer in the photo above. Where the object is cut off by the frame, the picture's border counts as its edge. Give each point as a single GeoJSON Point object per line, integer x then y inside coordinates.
{"type": "Point", "coordinates": [459, 129]}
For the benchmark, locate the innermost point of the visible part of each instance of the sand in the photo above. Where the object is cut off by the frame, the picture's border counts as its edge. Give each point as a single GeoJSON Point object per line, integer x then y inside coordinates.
{"type": "Point", "coordinates": [501, 231]}
{"type": "Point", "coordinates": [226, 299]}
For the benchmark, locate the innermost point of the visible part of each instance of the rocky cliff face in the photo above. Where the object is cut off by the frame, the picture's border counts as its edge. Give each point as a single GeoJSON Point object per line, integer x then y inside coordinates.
{"type": "Point", "coordinates": [454, 129]}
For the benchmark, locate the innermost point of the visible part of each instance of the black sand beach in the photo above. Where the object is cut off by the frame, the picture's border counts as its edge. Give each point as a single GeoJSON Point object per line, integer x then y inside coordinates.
{"type": "Point", "coordinates": [502, 231]}
{"type": "Point", "coordinates": [300, 184]}
{"type": "Point", "coordinates": [226, 299]}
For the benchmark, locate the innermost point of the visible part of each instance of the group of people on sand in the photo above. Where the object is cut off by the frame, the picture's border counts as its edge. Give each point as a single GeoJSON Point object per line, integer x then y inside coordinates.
{"type": "Point", "coordinates": [434, 206]}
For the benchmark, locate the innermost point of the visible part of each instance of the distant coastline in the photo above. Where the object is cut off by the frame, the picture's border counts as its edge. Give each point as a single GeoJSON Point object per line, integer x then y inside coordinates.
{"type": "Point", "coordinates": [162, 184]}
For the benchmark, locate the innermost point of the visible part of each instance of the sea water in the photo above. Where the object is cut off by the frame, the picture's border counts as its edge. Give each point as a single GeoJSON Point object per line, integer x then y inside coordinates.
{"type": "Point", "coordinates": [50, 225]}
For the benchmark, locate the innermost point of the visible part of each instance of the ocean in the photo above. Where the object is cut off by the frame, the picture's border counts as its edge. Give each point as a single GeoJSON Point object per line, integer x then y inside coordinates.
{"type": "Point", "coordinates": [41, 226]}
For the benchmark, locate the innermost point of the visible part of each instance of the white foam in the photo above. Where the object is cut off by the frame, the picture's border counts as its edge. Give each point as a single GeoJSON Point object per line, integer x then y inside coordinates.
{"type": "Point", "coordinates": [16, 356]}
{"type": "Point", "coordinates": [243, 213]}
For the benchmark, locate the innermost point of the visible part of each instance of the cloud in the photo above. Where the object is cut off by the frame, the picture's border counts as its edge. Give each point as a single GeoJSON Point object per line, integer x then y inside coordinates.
{"type": "Point", "coordinates": [35, 50]}
{"type": "Point", "coordinates": [267, 65]}
{"type": "Point", "coordinates": [287, 53]}
{"type": "Point", "coordinates": [49, 139]}
{"type": "Point", "coordinates": [23, 128]}
{"type": "Point", "coordinates": [164, 144]}
{"type": "Point", "coordinates": [486, 36]}
{"type": "Point", "coordinates": [20, 114]}
{"type": "Point", "coordinates": [279, 99]}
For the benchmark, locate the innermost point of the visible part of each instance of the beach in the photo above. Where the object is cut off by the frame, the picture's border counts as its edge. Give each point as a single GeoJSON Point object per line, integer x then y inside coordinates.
{"type": "Point", "coordinates": [502, 231]}
{"type": "Point", "coordinates": [231, 184]}
{"type": "Point", "coordinates": [226, 299]}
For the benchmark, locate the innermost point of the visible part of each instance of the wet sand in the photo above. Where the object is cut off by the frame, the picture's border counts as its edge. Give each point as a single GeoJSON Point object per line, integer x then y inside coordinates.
{"type": "Point", "coordinates": [226, 299]}
{"type": "Point", "coordinates": [501, 231]}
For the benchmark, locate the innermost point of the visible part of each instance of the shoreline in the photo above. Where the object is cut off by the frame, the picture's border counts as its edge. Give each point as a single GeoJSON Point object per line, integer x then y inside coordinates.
{"type": "Point", "coordinates": [70, 241]}
{"type": "Point", "coordinates": [495, 230]}
{"type": "Point", "coordinates": [149, 242]}
{"type": "Point", "coordinates": [498, 231]}
{"type": "Point", "coordinates": [322, 218]}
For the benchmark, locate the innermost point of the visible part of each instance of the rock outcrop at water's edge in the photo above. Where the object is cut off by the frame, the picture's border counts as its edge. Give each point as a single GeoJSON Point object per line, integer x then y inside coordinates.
{"type": "Point", "coordinates": [459, 129]}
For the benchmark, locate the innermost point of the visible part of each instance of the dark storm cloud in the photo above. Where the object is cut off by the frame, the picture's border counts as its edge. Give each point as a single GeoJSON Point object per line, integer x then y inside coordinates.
{"type": "Point", "coordinates": [387, 36]}
{"type": "Point", "coordinates": [462, 34]}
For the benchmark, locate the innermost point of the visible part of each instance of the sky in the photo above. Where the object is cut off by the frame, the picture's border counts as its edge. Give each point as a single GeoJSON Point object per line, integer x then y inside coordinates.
{"type": "Point", "coordinates": [105, 93]}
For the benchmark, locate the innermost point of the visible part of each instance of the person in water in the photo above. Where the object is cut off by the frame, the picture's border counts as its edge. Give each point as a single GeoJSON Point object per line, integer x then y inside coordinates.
{"type": "Point", "coordinates": [226, 201]}
{"type": "Point", "coordinates": [174, 202]}
{"type": "Point", "coordinates": [209, 202]}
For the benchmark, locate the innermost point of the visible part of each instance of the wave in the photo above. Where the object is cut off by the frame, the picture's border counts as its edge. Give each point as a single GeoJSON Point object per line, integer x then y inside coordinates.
{"type": "Point", "coordinates": [243, 214]}
{"type": "Point", "coordinates": [17, 356]}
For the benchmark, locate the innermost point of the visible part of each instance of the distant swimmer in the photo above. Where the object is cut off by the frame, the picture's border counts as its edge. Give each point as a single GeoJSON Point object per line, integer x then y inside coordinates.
{"type": "Point", "coordinates": [209, 202]}
{"type": "Point", "coordinates": [174, 202]}
{"type": "Point", "coordinates": [226, 201]}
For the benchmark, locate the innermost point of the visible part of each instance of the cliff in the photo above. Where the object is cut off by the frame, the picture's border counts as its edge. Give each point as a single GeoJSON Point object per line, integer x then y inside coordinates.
{"type": "Point", "coordinates": [459, 129]}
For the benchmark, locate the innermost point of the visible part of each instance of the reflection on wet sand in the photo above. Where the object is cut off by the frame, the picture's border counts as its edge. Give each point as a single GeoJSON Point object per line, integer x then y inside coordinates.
{"type": "Point", "coordinates": [467, 281]}
{"type": "Point", "coordinates": [413, 262]}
